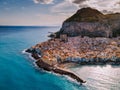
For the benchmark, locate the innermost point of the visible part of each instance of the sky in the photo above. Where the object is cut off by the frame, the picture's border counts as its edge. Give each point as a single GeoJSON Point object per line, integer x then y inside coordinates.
{"type": "Point", "coordinates": [48, 12]}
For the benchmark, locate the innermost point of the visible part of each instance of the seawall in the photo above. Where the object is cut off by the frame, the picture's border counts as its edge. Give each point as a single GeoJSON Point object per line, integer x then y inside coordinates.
{"type": "Point", "coordinates": [48, 67]}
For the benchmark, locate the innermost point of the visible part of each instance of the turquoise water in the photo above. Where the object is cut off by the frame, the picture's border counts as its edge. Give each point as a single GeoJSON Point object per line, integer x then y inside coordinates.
{"type": "Point", "coordinates": [18, 72]}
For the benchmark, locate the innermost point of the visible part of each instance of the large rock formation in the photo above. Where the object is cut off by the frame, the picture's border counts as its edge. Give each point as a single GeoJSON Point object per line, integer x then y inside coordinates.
{"type": "Point", "coordinates": [92, 23]}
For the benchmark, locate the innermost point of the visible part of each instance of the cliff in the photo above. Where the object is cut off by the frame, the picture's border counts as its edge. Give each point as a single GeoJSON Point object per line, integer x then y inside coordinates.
{"type": "Point", "coordinates": [91, 22]}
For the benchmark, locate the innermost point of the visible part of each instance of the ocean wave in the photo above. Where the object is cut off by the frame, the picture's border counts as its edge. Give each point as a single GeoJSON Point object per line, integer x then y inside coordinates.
{"type": "Point", "coordinates": [31, 58]}
{"type": "Point", "coordinates": [50, 72]}
{"type": "Point", "coordinates": [29, 54]}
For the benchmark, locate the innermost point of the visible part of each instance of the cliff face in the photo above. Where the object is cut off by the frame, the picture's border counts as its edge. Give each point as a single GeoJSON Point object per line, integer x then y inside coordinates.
{"type": "Point", "coordinates": [92, 23]}
{"type": "Point", "coordinates": [94, 29]}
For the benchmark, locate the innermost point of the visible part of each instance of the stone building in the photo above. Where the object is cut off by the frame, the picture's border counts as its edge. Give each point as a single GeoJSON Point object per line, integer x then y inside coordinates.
{"type": "Point", "coordinates": [108, 34]}
{"type": "Point", "coordinates": [64, 37]}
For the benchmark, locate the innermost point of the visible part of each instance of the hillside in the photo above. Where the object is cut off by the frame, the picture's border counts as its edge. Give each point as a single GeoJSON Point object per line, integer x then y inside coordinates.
{"type": "Point", "coordinates": [86, 15]}
{"type": "Point", "coordinates": [91, 22]}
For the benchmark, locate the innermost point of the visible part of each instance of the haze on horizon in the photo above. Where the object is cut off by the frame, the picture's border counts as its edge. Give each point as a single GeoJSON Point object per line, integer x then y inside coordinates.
{"type": "Point", "coordinates": [48, 12]}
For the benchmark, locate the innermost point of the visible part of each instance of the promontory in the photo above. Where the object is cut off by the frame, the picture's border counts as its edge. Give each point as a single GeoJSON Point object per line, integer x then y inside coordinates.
{"type": "Point", "coordinates": [87, 37]}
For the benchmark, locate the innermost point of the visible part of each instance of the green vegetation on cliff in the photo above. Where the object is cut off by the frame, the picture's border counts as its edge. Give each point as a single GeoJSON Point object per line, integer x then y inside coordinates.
{"type": "Point", "coordinates": [91, 22]}
{"type": "Point", "coordinates": [86, 15]}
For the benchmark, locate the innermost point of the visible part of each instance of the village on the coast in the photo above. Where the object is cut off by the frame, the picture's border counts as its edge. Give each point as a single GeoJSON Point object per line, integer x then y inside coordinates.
{"type": "Point", "coordinates": [79, 49]}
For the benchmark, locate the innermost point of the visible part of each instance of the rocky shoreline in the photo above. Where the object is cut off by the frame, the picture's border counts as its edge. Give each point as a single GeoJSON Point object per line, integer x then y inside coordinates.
{"type": "Point", "coordinates": [92, 23]}
{"type": "Point", "coordinates": [54, 54]}
{"type": "Point", "coordinates": [45, 66]}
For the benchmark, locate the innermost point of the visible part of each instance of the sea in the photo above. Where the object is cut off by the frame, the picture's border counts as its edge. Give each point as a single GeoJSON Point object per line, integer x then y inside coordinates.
{"type": "Point", "coordinates": [19, 72]}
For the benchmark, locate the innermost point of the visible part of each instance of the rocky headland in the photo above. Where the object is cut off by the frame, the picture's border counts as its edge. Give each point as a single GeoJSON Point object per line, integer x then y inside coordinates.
{"type": "Point", "coordinates": [87, 37]}
{"type": "Point", "coordinates": [90, 22]}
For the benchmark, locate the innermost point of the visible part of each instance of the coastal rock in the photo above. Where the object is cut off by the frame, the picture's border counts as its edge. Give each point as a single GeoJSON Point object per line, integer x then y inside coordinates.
{"type": "Point", "coordinates": [60, 71]}
{"type": "Point", "coordinates": [95, 29]}
{"type": "Point", "coordinates": [48, 67]}
{"type": "Point", "coordinates": [92, 23]}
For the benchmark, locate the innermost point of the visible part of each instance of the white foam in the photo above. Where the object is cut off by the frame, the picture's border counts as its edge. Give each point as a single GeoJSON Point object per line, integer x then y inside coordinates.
{"type": "Point", "coordinates": [71, 79]}
{"type": "Point", "coordinates": [66, 77]}
{"type": "Point", "coordinates": [31, 58]}
{"type": "Point", "coordinates": [29, 54]}
{"type": "Point", "coordinates": [36, 66]}
{"type": "Point", "coordinates": [24, 51]}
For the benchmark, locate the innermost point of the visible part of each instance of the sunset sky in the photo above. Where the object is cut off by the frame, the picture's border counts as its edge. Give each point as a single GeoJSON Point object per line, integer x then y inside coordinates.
{"type": "Point", "coordinates": [48, 12]}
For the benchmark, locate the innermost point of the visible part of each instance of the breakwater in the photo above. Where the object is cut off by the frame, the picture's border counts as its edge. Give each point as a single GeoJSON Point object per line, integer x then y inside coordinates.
{"type": "Point", "coordinates": [48, 67]}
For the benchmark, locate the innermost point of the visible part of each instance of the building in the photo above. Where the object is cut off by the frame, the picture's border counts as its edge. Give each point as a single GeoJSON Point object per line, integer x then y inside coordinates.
{"type": "Point", "coordinates": [64, 37]}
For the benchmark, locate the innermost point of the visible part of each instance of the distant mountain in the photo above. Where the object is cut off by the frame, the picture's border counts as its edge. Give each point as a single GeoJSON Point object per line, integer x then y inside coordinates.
{"type": "Point", "coordinates": [91, 22]}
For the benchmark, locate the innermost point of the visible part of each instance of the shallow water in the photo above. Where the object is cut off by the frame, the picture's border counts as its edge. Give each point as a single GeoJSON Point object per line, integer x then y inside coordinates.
{"type": "Point", "coordinates": [17, 71]}
{"type": "Point", "coordinates": [104, 77]}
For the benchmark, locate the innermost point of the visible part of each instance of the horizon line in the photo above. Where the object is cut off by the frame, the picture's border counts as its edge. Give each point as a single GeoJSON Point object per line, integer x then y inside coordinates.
{"type": "Point", "coordinates": [29, 25]}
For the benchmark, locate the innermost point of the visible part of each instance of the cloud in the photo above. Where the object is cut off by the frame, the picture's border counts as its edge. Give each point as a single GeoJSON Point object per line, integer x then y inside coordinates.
{"type": "Point", "coordinates": [66, 8]}
{"type": "Point", "coordinates": [71, 6]}
{"type": "Point", "coordinates": [50, 19]}
{"type": "Point", "coordinates": [107, 5]}
{"type": "Point", "coordinates": [107, 12]}
{"type": "Point", "coordinates": [117, 3]}
{"type": "Point", "coordinates": [78, 1]}
{"type": "Point", "coordinates": [43, 1]}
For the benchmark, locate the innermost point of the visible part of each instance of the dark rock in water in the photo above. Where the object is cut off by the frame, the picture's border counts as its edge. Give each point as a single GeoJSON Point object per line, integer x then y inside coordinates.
{"type": "Point", "coordinates": [34, 51]}
{"type": "Point", "coordinates": [30, 50]}
{"type": "Point", "coordinates": [48, 67]}
{"type": "Point", "coordinates": [92, 23]}
{"type": "Point", "coordinates": [44, 65]}
{"type": "Point", "coordinates": [35, 56]}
